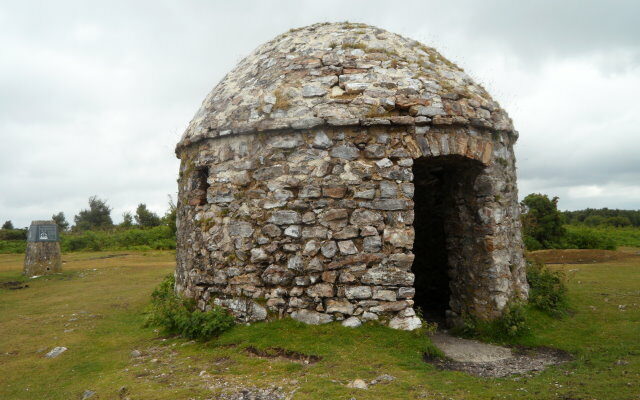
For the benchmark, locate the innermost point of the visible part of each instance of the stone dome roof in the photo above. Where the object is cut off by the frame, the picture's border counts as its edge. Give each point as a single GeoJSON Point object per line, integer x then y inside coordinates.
{"type": "Point", "coordinates": [343, 74]}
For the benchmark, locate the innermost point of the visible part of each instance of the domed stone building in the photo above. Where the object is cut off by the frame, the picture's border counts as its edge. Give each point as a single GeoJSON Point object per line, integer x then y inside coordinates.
{"type": "Point", "coordinates": [343, 172]}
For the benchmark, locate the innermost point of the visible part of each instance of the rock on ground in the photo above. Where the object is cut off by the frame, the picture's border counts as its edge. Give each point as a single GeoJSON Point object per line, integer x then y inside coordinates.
{"type": "Point", "coordinates": [87, 394]}
{"type": "Point", "coordinates": [352, 322]}
{"type": "Point", "coordinates": [358, 384]}
{"type": "Point", "coordinates": [56, 351]}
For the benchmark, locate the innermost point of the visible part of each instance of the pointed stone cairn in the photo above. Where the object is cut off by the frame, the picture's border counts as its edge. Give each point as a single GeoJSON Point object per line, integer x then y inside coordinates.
{"type": "Point", "coordinates": [43, 249]}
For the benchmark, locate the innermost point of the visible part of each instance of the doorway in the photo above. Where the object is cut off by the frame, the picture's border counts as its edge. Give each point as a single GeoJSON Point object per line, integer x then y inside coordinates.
{"type": "Point", "coordinates": [446, 233]}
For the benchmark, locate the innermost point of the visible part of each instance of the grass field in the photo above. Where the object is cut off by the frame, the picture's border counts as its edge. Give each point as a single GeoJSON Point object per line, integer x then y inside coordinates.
{"type": "Point", "coordinates": [95, 309]}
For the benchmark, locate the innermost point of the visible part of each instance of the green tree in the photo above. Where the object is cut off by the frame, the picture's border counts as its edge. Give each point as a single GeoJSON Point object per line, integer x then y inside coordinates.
{"type": "Point", "coordinates": [7, 225]}
{"type": "Point", "coordinates": [127, 220]}
{"type": "Point", "coordinates": [595, 220]}
{"type": "Point", "coordinates": [541, 221]}
{"type": "Point", "coordinates": [98, 216]}
{"type": "Point", "coordinates": [61, 221]}
{"type": "Point", "coordinates": [146, 218]}
{"type": "Point", "coordinates": [171, 215]}
{"type": "Point", "coordinates": [618, 221]}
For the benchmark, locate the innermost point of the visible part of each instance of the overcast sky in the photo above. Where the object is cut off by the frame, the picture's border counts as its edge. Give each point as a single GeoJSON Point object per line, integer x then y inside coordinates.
{"type": "Point", "coordinates": [95, 94]}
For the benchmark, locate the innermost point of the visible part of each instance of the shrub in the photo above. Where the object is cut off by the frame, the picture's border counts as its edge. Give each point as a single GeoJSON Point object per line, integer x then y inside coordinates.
{"type": "Point", "coordinates": [531, 244]}
{"type": "Point", "coordinates": [178, 316]}
{"type": "Point", "coordinates": [13, 234]}
{"type": "Point", "coordinates": [512, 324]}
{"type": "Point", "coordinates": [547, 290]}
{"type": "Point", "coordinates": [163, 244]}
{"type": "Point", "coordinates": [585, 238]}
{"type": "Point", "coordinates": [428, 328]}
{"type": "Point", "coordinates": [158, 238]}
{"type": "Point", "coordinates": [12, 246]}
{"type": "Point", "coordinates": [595, 220]}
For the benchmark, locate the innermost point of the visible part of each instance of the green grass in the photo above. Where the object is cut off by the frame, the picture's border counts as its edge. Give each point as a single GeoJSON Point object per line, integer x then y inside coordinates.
{"type": "Point", "coordinates": [109, 295]}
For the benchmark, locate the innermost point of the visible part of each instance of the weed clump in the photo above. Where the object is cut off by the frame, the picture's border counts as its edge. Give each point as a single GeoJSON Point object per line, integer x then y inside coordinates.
{"type": "Point", "coordinates": [547, 293]}
{"type": "Point", "coordinates": [547, 289]}
{"type": "Point", "coordinates": [428, 328]}
{"type": "Point", "coordinates": [511, 325]}
{"type": "Point", "coordinates": [178, 316]}
{"type": "Point", "coordinates": [282, 101]}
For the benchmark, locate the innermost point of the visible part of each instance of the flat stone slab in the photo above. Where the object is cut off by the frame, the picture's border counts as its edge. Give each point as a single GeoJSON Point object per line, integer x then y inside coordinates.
{"type": "Point", "coordinates": [55, 352]}
{"type": "Point", "coordinates": [491, 361]}
{"type": "Point", "coordinates": [465, 350]}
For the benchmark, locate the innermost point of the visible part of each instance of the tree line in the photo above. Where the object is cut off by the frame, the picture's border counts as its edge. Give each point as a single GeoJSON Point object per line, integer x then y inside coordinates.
{"type": "Point", "coordinates": [98, 217]}
{"type": "Point", "coordinates": [603, 217]}
{"type": "Point", "coordinates": [545, 227]}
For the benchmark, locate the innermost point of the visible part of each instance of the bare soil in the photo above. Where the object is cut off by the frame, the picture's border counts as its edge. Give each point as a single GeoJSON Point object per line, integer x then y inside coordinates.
{"type": "Point", "coordinates": [577, 256]}
{"type": "Point", "coordinates": [13, 285]}
{"type": "Point", "coordinates": [279, 352]}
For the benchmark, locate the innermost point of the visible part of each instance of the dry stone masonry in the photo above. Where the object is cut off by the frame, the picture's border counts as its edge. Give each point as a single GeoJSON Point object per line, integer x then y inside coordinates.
{"type": "Point", "coordinates": [345, 173]}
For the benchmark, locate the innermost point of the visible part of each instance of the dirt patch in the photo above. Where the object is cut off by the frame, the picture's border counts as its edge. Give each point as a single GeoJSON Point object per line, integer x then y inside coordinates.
{"type": "Point", "coordinates": [491, 361]}
{"type": "Point", "coordinates": [279, 352]}
{"type": "Point", "coordinates": [108, 256]}
{"type": "Point", "coordinates": [577, 256]}
{"type": "Point", "coordinates": [13, 285]}
{"type": "Point", "coordinates": [531, 360]}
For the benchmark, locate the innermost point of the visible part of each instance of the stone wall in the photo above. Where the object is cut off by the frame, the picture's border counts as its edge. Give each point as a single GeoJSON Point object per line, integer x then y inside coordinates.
{"type": "Point", "coordinates": [318, 224]}
{"type": "Point", "coordinates": [42, 258]}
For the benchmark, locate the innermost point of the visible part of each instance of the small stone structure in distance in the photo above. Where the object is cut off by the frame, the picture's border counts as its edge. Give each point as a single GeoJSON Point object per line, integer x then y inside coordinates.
{"type": "Point", "coordinates": [42, 256]}
{"type": "Point", "coordinates": [345, 173]}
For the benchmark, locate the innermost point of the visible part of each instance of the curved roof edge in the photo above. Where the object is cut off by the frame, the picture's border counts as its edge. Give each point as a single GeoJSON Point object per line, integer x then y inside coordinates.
{"type": "Point", "coordinates": [342, 74]}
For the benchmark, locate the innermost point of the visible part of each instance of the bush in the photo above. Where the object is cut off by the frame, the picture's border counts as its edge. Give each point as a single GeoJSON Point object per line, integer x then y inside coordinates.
{"type": "Point", "coordinates": [164, 244]}
{"type": "Point", "coordinates": [13, 234]}
{"type": "Point", "coordinates": [585, 238]}
{"type": "Point", "coordinates": [513, 324]}
{"type": "Point", "coordinates": [157, 238]}
{"type": "Point", "coordinates": [547, 290]}
{"type": "Point", "coordinates": [531, 244]}
{"type": "Point", "coordinates": [178, 316]}
{"type": "Point", "coordinates": [13, 241]}
{"type": "Point", "coordinates": [12, 246]}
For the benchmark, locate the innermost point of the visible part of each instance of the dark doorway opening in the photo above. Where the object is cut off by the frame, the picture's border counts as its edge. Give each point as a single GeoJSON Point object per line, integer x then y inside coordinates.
{"type": "Point", "coordinates": [444, 204]}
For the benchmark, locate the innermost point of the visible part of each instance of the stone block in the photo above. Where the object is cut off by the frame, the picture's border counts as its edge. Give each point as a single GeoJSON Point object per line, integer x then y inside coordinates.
{"type": "Point", "coordinates": [361, 217]}
{"type": "Point", "coordinates": [405, 324]}
{"type": "Point", "coordinates": [347, 247]}
{"type": "Point", "coordinates": [334, 191]}
{"type": "Point", "coordinates": [388, 276]}
{"type": "Point", "coordinates": [285, 217]}
{"type": "Point", "coordinates": [340, 306]}
{"type": "Point", "coordinates": [358, 292]}
{"type": "Point", "coordinates": [372, 244]}
{"type": "Point", "coordinates": [311, 317]}
{"type": "Point", "coordinates": [321, 290]}
{"type": "Point", "coordinates": [399, 237]}
{"type": "Point", "coordinates": [277, 275]}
